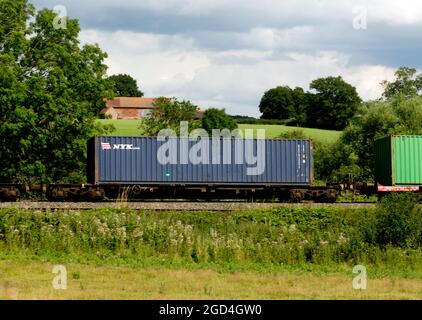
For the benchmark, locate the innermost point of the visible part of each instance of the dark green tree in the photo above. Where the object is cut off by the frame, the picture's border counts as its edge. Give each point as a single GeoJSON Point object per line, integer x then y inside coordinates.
{"type": "Point", "coordinates": [217, 119]}
{"type": "Point", "coordinates": [167, 114]}
{"type": "Point", "coordinates": [354, 153]}
{"type": "Point", "coordinates": [334, 103]}
{"type": "Point", "coordinates": [277, 103]}
{"type": "Point", "coordinates": [300, 106]}
{"type": "Point", "coordinates": [407, 83]}
{"type": "Point", "coordinates": [285, 103]}
{"type": "Point", "coordinates": [50, 91]}
{"type": "Point", "coordinates": [125, 86]}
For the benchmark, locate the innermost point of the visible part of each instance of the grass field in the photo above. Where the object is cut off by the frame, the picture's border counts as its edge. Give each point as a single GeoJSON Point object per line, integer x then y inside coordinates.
{"type": "Point", "coordinates": [274, 131]}
{"type": "Point", "coordinates": [283, 253]}
{"type": "Point", "coordinates": [130, 128]}
{"type": "Point", "coordinates": [33, 280]}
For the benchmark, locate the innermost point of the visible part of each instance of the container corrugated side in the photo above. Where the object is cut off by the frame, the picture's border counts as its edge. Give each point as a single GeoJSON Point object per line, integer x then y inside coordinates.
{"type": "Point", "coordinates": [407, 164]}
{"type": "Point", "coordinates": [287, 162]}
{"type": "Point", "coordinates": [398, 160]}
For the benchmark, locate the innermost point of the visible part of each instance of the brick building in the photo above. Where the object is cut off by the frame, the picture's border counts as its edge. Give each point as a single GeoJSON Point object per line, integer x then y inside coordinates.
{"type": "Point", "coordinates": [131, 108]}
{"type": "Point", "coordinates": [127, 108]}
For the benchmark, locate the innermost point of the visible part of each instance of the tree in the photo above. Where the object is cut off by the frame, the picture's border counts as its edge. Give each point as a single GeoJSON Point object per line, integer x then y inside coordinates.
{"type": "Point", "coordinates": [300, 106]}
{"type": "Point", "coordinates": [334, 104]}
{"type": "Point", "coordinates": [355, 150]}
{"type": "Point", "coordinates": [125, 86]}
{"type": "Point", "coordinates": [277, 103]}
{"type": "Point", "coordinates": [167, 114]}
{"type": "Point", "coordinates": [50, 91]}
{"type": "Point", "coordinates": [407, 83]}
{"type": "Point", "coordinates": [217, 119]}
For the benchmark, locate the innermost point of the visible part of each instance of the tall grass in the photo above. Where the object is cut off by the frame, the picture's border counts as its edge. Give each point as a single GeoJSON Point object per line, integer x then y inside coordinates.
{"type": "Point", "coordinates": [322, 236]}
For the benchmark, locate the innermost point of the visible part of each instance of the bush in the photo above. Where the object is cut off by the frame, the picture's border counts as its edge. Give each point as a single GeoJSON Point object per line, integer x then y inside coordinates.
{"type": "Point", "coordinates": [279, 236]}
{"type": "Point", "coordinates": [264, 121]}
{"type": "Point", "coordinates": [294, 134]}
{"type": "Point", "coordinates": [217, 119]}
{"type": "Point", "coordinates": [354, 153]}
{"type": "Point", "coordinates": [399, 220]}
{"type": "Point", "coordinates": [168, 114]}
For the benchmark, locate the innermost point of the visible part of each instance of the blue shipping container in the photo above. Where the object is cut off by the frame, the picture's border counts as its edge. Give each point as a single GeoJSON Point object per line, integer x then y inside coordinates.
{"type": "Point", "coordinates": [185, 161]}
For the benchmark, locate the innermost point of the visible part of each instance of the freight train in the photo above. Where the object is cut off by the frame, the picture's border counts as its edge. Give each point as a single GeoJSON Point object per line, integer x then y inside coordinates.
{"type": "Point", "coordinates": [157, 168]}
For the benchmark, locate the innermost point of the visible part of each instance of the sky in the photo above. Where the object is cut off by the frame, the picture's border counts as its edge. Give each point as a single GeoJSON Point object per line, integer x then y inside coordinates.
{"type": "Point", "coordinates": [226, 54]}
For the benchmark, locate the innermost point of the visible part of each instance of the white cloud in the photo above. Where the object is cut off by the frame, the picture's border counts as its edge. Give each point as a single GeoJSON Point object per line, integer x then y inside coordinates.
{"type": "Point", "coordinates": [367, 79]}
{"type": "Point", "coordinates": [234, 79]}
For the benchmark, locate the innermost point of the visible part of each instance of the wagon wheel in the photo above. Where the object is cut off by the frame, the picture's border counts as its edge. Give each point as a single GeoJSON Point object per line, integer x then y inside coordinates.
{"type": "Point", "coordinates": [136, 189]}
{"type": "Point", "coordinates": [296, 195]}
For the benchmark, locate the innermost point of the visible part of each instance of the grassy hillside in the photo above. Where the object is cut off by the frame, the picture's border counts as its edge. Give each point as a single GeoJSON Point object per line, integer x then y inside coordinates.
{"type": "Point", "coordinates": [273, 131]}
{"type": "Point", "coordinates": [124, 127]}
{"type": "Point", "coordinates": [130, 128]}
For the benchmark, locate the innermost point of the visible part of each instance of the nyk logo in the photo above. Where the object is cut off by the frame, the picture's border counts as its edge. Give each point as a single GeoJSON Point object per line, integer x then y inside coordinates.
{"type": "Point", "coordinates": [107, 146]}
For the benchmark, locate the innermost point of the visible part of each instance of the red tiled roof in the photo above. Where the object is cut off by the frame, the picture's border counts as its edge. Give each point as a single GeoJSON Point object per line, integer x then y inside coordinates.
{"type": "Point", "coordinates": [131, 102]}
{"type": "Point", "coordinates": [104, 110]}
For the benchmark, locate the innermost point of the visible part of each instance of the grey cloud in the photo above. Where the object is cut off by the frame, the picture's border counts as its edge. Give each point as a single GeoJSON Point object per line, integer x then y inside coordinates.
{"type": "Point", "coordinates": [226, 28]}
{"type": "Point", "coordinates": [265, 36]}
{"type": "Point", "coordinates": [230, 17]}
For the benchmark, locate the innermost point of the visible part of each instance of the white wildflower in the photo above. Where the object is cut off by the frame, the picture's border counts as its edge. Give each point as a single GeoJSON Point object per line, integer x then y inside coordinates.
{"type": "Point", "coordinates": [342, 239]}
{"type": "Point", "coordinates": [292, 228]}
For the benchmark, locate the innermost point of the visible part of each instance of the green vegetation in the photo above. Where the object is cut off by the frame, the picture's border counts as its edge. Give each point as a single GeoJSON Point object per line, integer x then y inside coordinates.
{"type": "Point", "coordinates": [123, 127]}
{"type": "Point", "coordinates": [331, 105]}
{"type": "Point", "coordinates": [399, 221]}
{"type": "Point", "coordinates": [217, 119]}
{"type": "Point", "coordinates": [354, 151]}
{"type": "Point", "coordinates": [242, 241]}
{"type": "Point", "coordinates": [250, 120]}
{"type": "Point", "coordinates": [407, 84]}
{"type": "Point", "coordinates": [51, 89]}
{"type": "Point", "coordinates": [275, 131]}
{"type": "Point", "coordinates": [26, 279]}
{"type": "Point", "coordinates": [285, 103]}
{"type": "Point", "coordinates": [130, 128]}
{"type": "Point", "coordinates": [168, 114]}
{"type": "Point", "coordinates": [283, 253]}
{"type": "Point", "coordinates": [125, 86]}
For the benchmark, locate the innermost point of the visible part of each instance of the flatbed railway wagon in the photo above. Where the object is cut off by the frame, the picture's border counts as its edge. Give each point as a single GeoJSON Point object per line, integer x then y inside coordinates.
{"type": "Point", "coordinates": [209, 168]}
{"type": "Point", "coordinates": [398, 164]}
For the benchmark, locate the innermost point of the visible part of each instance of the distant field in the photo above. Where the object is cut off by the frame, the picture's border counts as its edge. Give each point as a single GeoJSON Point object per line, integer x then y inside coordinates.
{"type": "Point", "coordinates": [32, 280]}
{"type": "Point", "coordinates": [130, 128]}
{"type": "Point", "coordinates": [124, 127]}
{"type": "Point", "coordinates": [273, 131]}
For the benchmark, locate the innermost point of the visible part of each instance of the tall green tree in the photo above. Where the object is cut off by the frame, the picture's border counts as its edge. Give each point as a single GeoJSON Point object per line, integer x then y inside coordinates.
{"type": "Point", "coordinates": [354, 153]}
{"type": "Point", "coordinates": [406, 83]}
{"type": "Point", "coordinates": [217, 119]}
{"type": "Point", "coordinates": [301, 105]}
{"type": "Point", "coordinates": [50, 91]}
{"type": "Point", "coordinates": [284, 103]}
{"type": "Point", "coordinates": [126, 86]}
{"type": "Point", "coordinates": [167, 114]}
{"type": "Point", "coordinates": [334, 103]}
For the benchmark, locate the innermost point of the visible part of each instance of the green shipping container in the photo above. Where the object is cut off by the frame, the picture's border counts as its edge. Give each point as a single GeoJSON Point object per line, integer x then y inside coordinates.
{"type": "Point", "coordinates": [398, 161]}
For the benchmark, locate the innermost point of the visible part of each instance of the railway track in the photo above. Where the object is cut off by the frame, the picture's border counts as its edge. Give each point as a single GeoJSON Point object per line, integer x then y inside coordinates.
{"type": "Point", "coordinates": [174, 205]}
